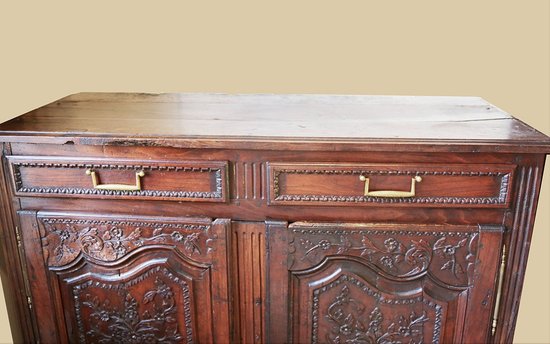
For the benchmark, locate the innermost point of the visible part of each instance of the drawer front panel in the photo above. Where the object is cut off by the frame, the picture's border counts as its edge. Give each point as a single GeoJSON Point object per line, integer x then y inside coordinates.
{"type": "Point", "coordinates": [403, 184]}
{"type": "Point", "coordinates": [204, 181]}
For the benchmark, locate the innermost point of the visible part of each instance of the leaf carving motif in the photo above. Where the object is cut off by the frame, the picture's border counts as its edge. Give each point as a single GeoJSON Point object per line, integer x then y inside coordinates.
{"type": "Point", "coordinates": [110, 242]}
{"type": "Point", "coordinates": [400, 257]}
{"type": "Point", "coordinates": [126, 324]}
{"type": "Point", "coordinates": [391, 257]}
{"type": "Point", "coordinates": [348, 310]}
{"type": "Point", "coordinates": [448, 253]}
{"type": "Point", "coordinates": [349, 319]}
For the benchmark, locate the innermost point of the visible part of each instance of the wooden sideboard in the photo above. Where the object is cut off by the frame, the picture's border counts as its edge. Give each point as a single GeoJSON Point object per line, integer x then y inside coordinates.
{"type": "Point", "coordinates": [202, 218]}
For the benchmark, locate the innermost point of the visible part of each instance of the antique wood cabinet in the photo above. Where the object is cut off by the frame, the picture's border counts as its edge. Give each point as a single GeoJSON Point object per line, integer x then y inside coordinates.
{"type": "Point", "coordinates": [192, 218]}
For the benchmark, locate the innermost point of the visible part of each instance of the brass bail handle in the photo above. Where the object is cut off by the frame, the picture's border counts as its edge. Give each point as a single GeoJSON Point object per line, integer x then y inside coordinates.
{"type": "Point", "coordinates": [116, 187]}
{"type": "Point", "coordinates": [390, 193]}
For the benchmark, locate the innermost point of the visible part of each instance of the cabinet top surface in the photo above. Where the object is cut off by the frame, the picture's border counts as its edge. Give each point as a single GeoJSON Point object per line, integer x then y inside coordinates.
{"type": "Point", "coordinates": [215, 120]}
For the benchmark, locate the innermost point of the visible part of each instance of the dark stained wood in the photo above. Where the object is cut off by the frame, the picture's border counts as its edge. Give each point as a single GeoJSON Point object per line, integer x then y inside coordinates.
{"type": "Point", "coordinates": [246, 155]}
{"type": "Point", "coordinates": [278, 283]}
{"type": "Point", "coordinates": [160, 279]}
{"type": "Point", "coordinates": [252, 225]}
{"type": "Point", "coordinates": [382, 282]}
{"type": "Point", "coordinates": [439, 186]}
{"type": "Point", "coordinates": [249, 269]}
{"type": "Point", "coordinates": [518, 241]}
{"type": "Point", "coordinates": [14, 283]}
{"type": "Point", "coordinates": [249, 211]}
{"type": "Point", "coordinates": [204, 181]}
{"type": "Point", "coordinates": [319, 122]}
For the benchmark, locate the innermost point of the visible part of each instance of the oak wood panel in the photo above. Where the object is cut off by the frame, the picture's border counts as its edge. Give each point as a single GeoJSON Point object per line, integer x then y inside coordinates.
{"type": "Point", "coordinates": [268, 121]}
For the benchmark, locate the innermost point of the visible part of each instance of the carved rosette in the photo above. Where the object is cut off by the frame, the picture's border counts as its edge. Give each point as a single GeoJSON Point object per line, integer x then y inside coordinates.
{"type": "Point", "coordinates": [145, 309]}
{"type": "Point", "coordinates": [64, 239]}
{"type": "Point", "coordinates": [349, 311]}
{"type": "Point", "coordinates": [447, 256]}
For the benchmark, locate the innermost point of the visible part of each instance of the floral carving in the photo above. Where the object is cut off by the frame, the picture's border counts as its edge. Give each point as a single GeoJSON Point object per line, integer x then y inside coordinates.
{"type": "Point", "coordinates": [448, 256]}
{"type": "Point", "coordinates": [351, 324]}
{"type": "Point", "coordinates": [391, 257]}
{"type": "Point", "coordinates": [156, 324]}
{"type": "Point", "coordinates": [448, 253]}
{"type": "Point", "coordinates": [111, 241]}
{"type": "Point", "coordinates": [110, 245]}
{"type": "Point", "coordinates": [371, 316]}
{"type": "Point", "coordinates": [189, 241]}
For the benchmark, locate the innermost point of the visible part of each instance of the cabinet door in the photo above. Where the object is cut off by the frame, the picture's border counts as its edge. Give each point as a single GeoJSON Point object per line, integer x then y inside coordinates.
{"type": "Point", "coordinates": [127, 279]}
{"type": "Point", "coordinates": [379, 283]}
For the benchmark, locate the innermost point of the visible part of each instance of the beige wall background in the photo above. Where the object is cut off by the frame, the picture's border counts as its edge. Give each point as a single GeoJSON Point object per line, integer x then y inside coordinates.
{"type": "Point", "coordinates": [498, 50]}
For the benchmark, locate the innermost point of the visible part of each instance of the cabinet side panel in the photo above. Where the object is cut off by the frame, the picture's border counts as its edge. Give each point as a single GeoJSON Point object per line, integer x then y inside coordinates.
{"type": "Point", "coordinates": [518, 239]}
{"type": "Point", "coordinates": [10, 266]}
{"type": "Point", "coordinates": [43, 302]}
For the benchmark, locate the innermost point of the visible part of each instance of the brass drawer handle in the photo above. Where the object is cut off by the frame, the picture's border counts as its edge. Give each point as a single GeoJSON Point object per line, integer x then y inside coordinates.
{"type": "Point", "coordinates": [390, 193]}
{"type": "Point", "coordinates": [116, 187]}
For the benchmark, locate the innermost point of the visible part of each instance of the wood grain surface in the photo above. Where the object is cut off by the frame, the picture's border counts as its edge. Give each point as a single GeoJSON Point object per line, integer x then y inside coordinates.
{"type": "Point", "coordinates": [223, 120]}
{"type": "Point", "coordinates": [246, 232]}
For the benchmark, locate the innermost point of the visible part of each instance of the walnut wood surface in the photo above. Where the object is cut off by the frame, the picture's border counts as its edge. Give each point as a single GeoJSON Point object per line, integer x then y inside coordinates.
{"type": "Point", "coordinates": [269, 121]}
{"type": "Point", "coordinates": [252, 225]}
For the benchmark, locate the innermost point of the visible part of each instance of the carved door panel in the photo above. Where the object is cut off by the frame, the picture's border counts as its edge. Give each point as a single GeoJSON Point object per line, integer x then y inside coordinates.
{"type": "Point", "coordinates": [379, 283]}
{"type": "Point", "coordinates": [127, 279]}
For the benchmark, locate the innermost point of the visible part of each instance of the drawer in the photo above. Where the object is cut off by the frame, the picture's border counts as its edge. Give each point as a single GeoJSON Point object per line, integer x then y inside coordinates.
{"type": "Point", "coordinates": [204, 181]}
{"type": "Point", "coordinates": [434, 185]}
